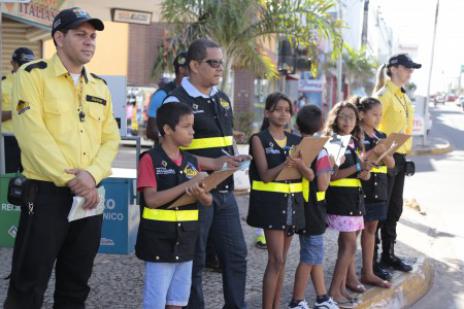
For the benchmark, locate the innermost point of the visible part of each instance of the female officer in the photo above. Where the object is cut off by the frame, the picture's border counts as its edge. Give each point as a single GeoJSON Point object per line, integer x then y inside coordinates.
{"type": "Point", "coordinates": [397, 117]}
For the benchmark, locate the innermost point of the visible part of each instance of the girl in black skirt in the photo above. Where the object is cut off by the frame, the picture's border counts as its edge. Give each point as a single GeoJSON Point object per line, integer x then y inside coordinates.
{"type": "Point", "coordinates": [375, 189]}
{"type": "Point", "coordinates": [275, 206]}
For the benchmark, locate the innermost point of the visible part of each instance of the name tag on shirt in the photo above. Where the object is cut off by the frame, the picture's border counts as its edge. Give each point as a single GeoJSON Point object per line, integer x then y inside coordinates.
{"type": "Point", "coordinates": [95, 99]}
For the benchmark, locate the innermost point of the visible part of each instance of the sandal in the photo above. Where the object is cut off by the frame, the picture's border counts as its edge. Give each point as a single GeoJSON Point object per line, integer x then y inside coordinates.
{"type": "Point", "coordinates": [360, 288]}
{"type": "Point", "coordinates": [347, 304]}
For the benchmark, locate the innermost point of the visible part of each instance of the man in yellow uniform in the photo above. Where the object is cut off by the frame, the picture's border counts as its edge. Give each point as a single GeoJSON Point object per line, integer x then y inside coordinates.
{"type": "Point", "coordinates": [68, 137]}
{"type": "Point", "coordinates": [20, 56]}
{"type": "Point", "coordinates": [397, 117]}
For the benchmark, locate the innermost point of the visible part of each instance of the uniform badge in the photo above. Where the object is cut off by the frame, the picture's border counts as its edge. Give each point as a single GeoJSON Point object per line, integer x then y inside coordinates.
{"type": "Point", "coordinates": [224, 103]}
{"type": "Point", "coordinates": [195, 106]}
{"type": "Point", "coordinates": [190, 170]}
{"type": "Point", "coordinates": [22, 106]}
{"type": "Point", "coordinates": [271, 144]}
{"type": "Point", "coordinates": [164, 163]}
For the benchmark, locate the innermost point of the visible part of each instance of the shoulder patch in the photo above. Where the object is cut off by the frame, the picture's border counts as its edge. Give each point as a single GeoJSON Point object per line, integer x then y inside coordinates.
{"type": "Point", "coordinates": [98, 77]}
{"type": "Point", "coordinates": [37, 65]}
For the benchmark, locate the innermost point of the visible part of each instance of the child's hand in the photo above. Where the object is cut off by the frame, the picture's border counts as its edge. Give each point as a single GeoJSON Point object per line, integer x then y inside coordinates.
{"type": "Point", "coordinates": [195, 190]}
{"type": "Point", "coordinates": [366, 165]}
{"type": "Point", "coordinates": [364, 175]}
{"type": "Point", "coordinates": [290, 162]}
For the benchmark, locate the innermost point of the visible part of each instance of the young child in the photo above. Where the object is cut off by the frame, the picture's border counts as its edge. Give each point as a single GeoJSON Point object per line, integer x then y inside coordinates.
{"type": "Point", "coordinates": [166, 237]}
{"type": "Point", "coordinates": [375, 189]}
{"type": "Point", "coordinates": [275, 206]}
{"type": "Point", "coordinates": [345, 203]}
{"type": "Point", "coordinates": [310, 121]}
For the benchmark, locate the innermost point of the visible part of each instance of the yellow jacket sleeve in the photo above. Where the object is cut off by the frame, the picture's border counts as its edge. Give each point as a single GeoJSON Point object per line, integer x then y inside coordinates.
{"type": "Point", "coordinates": [40, 154]}
{"type": "Point", "coordinates": [101, 165]}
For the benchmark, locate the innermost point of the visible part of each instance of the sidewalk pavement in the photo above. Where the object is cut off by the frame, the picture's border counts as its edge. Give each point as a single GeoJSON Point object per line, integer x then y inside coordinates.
{"type": "Point", "coordinates": [434, 146]}
{"type": "Point", "coordinates": [117, 280]}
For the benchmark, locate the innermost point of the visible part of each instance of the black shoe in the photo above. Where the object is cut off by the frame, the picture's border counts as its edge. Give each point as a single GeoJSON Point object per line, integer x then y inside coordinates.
{"type": "Point", "coordinates": [397, 264]}
{"type": "Point", "coordinates": [382, 273]}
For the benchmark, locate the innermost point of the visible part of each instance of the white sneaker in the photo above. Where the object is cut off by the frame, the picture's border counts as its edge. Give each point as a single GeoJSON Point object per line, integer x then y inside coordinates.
{"type": "Point", "coordinates": [328, 304]}
{"type": "Point", "coordinates": [301, 305]}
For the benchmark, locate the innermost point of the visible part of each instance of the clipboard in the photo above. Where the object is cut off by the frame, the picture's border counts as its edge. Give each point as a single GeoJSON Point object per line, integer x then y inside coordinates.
{"type": "Point", "coordinates": [210, 182]}
{"type": "Point", "coordinates": [392, 143]}
{"type": "Point", "coordinates": [307, 149]}
{"type": "Point", "coordinates": [336, 147]}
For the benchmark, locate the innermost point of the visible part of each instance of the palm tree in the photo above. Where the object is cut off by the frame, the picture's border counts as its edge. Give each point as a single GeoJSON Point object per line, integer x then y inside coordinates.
{"type": "Point", "coordinates": [244, 27]}
{"type": "Point", "coordinates": [359, 68]}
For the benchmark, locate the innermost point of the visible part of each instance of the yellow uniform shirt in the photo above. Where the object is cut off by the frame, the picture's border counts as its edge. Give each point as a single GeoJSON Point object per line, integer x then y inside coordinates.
{"type": "Point", "coordinates": [397, 113]}
{"type": "Point", "coordinates": [7, 83]}
{"type": "Point", "coordinates": [48, 128]}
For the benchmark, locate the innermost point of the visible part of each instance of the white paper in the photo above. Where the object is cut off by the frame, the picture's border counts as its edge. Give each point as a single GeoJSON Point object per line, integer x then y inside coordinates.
{"type": "Point", "coordinates": [336, 147]}
{"type": "Point", "coordinates": [77, 212]}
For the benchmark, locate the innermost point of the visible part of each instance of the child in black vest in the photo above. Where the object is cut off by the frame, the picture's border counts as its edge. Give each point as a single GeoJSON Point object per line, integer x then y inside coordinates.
{"type": "Point", "coordinates": [310, 121]}
{"type": "Point", "coordinates": [345, 203]}
{"type": "Point", "coordinates": [275, 206]}
{"type": "Point", "coordinates": [166, 237]}
{"type": "Point", "coordinates": [375, 189]}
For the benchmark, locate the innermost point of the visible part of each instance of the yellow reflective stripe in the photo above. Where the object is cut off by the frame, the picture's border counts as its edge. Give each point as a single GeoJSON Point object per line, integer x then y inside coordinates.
{"type": "Point", "coordinates": [380, 169]}
{"type": "Point", "coordinates": [210, 142]}
{"type": "Point", "coordinates": [170, 215]}
{"type": "Point", "coordinates": [305, 184]}
{"type": "Point", "coordinates": [346, 182]}
{"type": "Point", "coordinates": [278, 187]}
{"type": "Point", "coordinates": [320, 196]}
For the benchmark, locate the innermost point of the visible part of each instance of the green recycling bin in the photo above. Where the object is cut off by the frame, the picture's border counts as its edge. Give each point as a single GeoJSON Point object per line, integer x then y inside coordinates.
{"type": "Point", "coordinates": [9, 214]}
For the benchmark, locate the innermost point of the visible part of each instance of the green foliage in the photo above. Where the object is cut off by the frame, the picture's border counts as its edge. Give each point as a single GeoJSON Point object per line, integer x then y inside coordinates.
{"type": "Point", "coordinates": [243, 121]}
{"type": "Point", "coordinates": [244, 27]}
{"type": "Point", "coordinates": [359, 68]}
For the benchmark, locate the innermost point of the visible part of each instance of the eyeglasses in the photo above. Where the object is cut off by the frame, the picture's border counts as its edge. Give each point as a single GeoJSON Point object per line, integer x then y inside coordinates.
{"type": "Point", "coordinates": [214, 63]}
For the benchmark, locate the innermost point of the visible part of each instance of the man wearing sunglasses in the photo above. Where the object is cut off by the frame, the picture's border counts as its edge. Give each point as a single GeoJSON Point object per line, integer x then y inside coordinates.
{"type": "Point", "coordinates": [213, 126]}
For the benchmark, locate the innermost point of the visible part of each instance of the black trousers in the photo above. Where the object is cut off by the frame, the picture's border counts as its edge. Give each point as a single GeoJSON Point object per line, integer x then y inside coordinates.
{"type": "Point", "coordinates": [12, 155]}
{"type": "Point", "coordinates": [44, 237]}
{"type": "Point", "coordinates": [395, 199]}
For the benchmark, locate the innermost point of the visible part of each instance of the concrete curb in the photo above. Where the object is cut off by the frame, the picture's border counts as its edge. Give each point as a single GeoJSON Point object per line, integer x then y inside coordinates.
{"type": "Point", "coordinates": [441, 146]}
{"type": "Point", "coordinates": [407, 288]}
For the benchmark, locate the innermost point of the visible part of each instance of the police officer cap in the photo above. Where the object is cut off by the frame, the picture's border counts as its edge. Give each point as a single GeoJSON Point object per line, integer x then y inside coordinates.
{"type": "Point", "coordinates": [180, 60]}
{"type": "Point", "coordinates": [72, 18]}
{"type": "Point", "coordinates": [22, 55]}
{"type": "Point", "coordinates": [404, 60]}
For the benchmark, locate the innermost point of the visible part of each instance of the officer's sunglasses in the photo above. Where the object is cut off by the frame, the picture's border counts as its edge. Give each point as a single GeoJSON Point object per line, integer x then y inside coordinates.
{"type": "Point", "coordinates": [214, 63]}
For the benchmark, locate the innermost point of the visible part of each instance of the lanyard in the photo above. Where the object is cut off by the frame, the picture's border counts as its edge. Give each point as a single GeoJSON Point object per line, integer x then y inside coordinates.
{"type": "Point", "coordinates": [404, 104]}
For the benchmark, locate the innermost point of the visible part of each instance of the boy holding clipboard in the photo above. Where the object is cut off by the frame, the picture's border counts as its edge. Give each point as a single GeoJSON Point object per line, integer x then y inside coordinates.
{"type": "Point", "coordinates": [166, 237]}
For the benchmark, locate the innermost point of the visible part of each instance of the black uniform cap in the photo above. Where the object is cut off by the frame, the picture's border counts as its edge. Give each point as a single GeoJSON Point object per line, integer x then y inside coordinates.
{"type": "Point", "coordinates": [22, 55]}
{"type": "Point", "coordinates": [404, 60]}
{"type": "Point", "coordinates": [180, 60]}
{"type": "Point", "coordinates": [72, 18]}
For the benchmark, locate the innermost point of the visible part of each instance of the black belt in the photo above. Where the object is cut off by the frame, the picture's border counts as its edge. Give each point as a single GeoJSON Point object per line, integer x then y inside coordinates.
{"type": "Point", "coordinates": [48, 187]}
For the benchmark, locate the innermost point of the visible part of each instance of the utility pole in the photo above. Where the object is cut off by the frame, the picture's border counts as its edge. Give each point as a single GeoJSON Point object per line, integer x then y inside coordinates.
{"type": "Point", "coordinates": [339, 60]}
{"type": "Point", "coordinates": [426, 108]}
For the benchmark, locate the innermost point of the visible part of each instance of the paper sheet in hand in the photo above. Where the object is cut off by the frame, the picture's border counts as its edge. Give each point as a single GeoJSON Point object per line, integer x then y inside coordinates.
{"type": "Point", "coordinates": [391, 143]}
{"type": "Point", "coordinates": [307, 149]}
{"type": "Point", "coordinates": [336, 147]}
{"type": "Point", "coordinates": [210, 182]}
{"type": "Point", "coordinates": [77, 212]}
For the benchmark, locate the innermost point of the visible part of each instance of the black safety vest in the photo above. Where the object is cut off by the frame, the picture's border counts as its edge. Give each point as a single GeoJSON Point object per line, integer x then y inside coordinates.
{"type": "Point", "coordinates": [268, 201]}
{"type": "Point", "coordinates": [344, 196]}
{"type": "Point", "coordinates": [213, 126]}
{"type": "Point", "coordinates": [168, 235]}
{"type": "Point", "coordinates": [315, 208]}
{"type": "Point", "coordinates": [376, 188]}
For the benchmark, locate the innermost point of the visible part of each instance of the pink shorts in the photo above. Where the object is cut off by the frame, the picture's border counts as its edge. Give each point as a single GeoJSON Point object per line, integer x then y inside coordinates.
{"type": "Point", "coordinates": [345, 223]}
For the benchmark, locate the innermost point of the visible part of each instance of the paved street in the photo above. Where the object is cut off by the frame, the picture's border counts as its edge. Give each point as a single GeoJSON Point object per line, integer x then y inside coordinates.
{"type": "Point", "coordinates": [438, 187]}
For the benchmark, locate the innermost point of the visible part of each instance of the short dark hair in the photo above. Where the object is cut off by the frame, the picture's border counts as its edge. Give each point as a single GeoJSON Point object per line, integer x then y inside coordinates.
{"type": "Point", "coordinates": [309, 119]}
{"type": "Point", "coordinates": [170, 114]}
{"type": "Point", "coordinates": [197, 50]}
